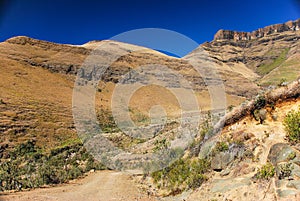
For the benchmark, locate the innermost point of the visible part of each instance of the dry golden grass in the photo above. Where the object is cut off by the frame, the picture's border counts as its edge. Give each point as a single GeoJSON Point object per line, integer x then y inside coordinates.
{"type": "Point", "coordinates": [36, 104]}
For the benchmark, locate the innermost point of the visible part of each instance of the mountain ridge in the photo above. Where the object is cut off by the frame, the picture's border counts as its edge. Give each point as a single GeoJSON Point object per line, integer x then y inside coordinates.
{"type": "Point", "coordinates": [259, 33]}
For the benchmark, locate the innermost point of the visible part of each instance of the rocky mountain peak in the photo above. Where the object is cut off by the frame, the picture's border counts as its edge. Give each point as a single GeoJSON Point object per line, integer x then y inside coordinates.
{"type": "Point", "coordinates": [259, 33]}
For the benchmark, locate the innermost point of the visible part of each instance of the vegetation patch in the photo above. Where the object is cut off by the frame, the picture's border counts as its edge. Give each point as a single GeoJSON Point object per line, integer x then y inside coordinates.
{"type": "Point", "coordinates": [220, 147]}
{"type": "Point", "coordinates": [284, 170]}
{"type": "Point", "coordinates": [28, 166]}
{"type": "Point", "coordinates": [106, 121]}
{"type": "Point", "coordinates": [260, 102]}
{"type": "Point", "coordinates": [161, 144]}
{"type": "Point", "coordinates": [292, 156]}
{"type": "Point", "coordinates": [123, 141]}
{"type": "Point", "coordinates": [266, 68]}
{"type": "Point", "coordinates": [266, 172]}
{"type": "Point", "coordinates": [286, 72]}
{"type": "Point", "coordinates": [292, 126]}
{"type": "Point", "coordinates": [182, 175]}
{"type": "Point", "coordinates": [138, 117]}
{"type": "Point", "coordinates": [206, 128]}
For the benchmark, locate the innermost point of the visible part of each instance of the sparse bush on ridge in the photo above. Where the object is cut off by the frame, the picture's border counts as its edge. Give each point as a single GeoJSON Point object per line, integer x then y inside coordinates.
{"type": "Point", "coordinates": [259, 113]}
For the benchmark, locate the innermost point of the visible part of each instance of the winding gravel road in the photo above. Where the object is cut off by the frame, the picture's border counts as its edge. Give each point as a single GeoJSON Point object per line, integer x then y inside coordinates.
{"type": "Point", "coordinates": [98, 186]}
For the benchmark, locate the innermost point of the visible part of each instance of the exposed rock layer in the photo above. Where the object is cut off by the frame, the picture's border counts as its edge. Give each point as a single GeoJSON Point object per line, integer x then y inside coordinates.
{"type": "Point", "coordinates": [277, 28]}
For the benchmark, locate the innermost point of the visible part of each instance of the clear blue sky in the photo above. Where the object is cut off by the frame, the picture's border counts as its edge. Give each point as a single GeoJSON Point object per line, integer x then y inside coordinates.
{"type": "Point", "coordinates": [76, 22]}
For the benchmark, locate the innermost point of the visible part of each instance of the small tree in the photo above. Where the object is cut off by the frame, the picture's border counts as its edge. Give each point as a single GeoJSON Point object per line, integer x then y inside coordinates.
{"type": "Point", "coordinates": [292, 125]}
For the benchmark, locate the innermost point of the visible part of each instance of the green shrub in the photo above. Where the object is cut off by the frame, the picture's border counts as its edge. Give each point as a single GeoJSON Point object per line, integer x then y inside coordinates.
{"type": "Point", "coordinates": [292, 155]}
{"type": "Point", "coordinates": [220, 147]}
{"type": "Point", "coordinates": [282, 82]}
{"type": "Point", "coordinates": [265, 172]}
{"type": "Point", "coordinates": [181, 175]}
{"type": "Point", "coordinates": [74, 172]}
{"type": "Point", "coordinates": [197, 177]}
{"type": "Point", "coordinates": [284, 170]}
{"type": "Point", "coordinates": [260, 102]}
{"type": "Point", "coordinates": [292, 125]}
{"type": "Point", "coordinates": [206, 128]}
{"type": "Point", "coordinates": [29, 167]}
{"type": "Point", "coordinates": [24, 149]}
{"type": "Point", "coordinates": [9, 177]}
{"type": "Point", "coordinates": [91, 163]}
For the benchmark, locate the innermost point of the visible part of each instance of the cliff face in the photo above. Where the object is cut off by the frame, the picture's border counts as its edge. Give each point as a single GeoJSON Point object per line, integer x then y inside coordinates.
{"type": "Point", "coordinates": [277, 28]}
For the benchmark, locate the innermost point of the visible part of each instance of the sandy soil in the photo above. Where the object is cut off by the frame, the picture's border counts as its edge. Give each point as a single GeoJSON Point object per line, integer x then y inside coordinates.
{"type": "Point", "coordinates": [98, 186]}
{"type": "Point", "coordinates": [232, 187]}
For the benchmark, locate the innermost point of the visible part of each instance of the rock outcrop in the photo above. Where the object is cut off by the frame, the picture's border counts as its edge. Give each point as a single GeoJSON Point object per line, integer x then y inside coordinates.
{"type": "Point", "coordinates": [277, 28]}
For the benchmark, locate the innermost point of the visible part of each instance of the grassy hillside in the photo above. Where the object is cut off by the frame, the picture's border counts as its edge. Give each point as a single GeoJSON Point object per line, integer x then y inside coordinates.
{"type": "Point", "coordinates": [35, 104]}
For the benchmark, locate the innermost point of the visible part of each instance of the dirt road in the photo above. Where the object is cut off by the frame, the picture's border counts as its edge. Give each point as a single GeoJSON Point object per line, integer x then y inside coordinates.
{"type": "Point", "coordinates": [98, 186]}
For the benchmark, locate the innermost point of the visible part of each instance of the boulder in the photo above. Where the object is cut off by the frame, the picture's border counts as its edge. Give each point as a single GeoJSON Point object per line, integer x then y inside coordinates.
{"type": "Point", "coordinates": [280, 153]}
{"type": "Point", "coordinates": [221, 160]}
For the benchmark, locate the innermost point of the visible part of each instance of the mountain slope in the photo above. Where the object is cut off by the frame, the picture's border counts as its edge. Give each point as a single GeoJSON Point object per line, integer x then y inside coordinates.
{"type": "Point", "coordinates": [38, 76]}
{"type": "Point", "coordinates": [268, 55]}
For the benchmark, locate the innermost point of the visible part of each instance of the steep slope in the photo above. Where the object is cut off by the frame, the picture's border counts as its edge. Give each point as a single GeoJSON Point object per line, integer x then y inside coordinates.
{"type": "Point", "coordinates": [35, 104]}
{"type": "Point", "coordinates": [37, 80]}
{"type": "Point", "coordinates": [268, 55]}
{"type": "Point", "coordinates": [259, 144]}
